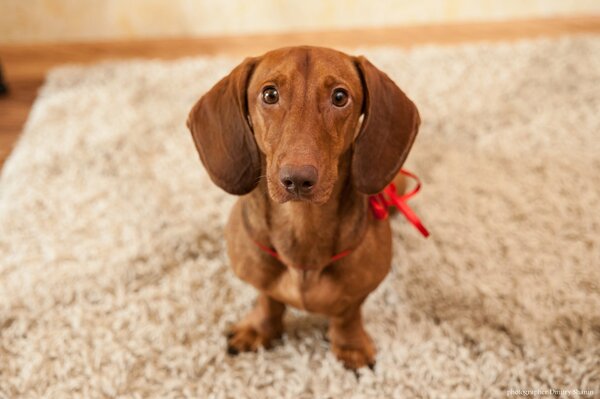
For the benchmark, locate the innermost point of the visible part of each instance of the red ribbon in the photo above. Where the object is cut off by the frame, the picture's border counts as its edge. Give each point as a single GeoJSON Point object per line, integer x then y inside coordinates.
{"type": "Point", "coordinates": [379, 204]}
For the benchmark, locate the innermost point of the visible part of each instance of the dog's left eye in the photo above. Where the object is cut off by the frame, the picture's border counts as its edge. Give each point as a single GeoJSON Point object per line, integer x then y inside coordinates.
{"type": "Point", "coordinates": [339, 98]}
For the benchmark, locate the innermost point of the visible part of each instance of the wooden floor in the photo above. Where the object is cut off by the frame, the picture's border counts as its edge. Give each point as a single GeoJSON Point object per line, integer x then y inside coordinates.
{"type": "Point", "coordinates": [26, 65]}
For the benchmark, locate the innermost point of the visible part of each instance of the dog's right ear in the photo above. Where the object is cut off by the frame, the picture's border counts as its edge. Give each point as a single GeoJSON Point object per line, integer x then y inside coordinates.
{"type": "Point", "coordinates": [222, 134]}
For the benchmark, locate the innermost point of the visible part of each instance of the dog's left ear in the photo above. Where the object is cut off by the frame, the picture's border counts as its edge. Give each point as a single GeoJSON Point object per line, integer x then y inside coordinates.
{"type": "Point", "coordinates": [390, 125]}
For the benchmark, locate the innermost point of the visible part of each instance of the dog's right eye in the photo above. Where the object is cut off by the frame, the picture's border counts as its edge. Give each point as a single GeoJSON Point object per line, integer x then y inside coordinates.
{"type": "Point", "coordinates": [270, 95]}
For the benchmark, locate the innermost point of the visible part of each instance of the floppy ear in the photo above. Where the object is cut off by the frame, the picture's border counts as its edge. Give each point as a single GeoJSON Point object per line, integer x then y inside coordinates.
{"type": "Point", "coordinates": [389, 127]}
{"type": "Point", "coordinates": [222, 134]}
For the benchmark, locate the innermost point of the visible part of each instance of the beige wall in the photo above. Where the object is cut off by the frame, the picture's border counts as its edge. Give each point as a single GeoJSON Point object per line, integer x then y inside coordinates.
{"type": "Point", "coordinates": [76, 20]}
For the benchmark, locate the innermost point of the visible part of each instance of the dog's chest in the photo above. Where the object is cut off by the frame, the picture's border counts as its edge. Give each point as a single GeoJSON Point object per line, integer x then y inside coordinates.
{"type": "Point", "coordinates": [304, 240]}
{"type": "Point", "coordinates": [313, 291]}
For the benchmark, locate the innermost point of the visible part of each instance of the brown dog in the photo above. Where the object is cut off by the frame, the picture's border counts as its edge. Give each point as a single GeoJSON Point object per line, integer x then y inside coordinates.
{"type": "Point", "coordinates": [284, 131]}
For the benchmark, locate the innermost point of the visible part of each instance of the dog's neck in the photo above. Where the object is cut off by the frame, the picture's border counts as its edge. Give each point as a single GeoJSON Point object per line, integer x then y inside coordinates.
{"type": "Point", "coordinates": [305, 233]}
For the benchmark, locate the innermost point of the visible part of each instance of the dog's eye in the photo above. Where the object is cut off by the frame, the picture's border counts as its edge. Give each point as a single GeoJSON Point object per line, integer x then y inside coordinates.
{"type": "Point", "coordinates": [270, 95]}
{"type": "Point", "coordinates": [339, 98]}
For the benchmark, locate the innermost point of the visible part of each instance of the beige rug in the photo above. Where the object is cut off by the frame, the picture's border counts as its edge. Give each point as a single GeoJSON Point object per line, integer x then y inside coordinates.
{"type": "Point", "coordinates": [114, 281]}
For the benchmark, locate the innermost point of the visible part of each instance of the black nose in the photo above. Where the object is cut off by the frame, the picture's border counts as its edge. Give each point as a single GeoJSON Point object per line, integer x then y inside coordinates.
{"type": "Point", "coordinates": [298, 179]}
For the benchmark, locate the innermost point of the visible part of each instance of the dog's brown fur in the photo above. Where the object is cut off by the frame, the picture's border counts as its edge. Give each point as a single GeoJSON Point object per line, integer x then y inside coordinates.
{"type": "Point", "coordinates": [243, 143]}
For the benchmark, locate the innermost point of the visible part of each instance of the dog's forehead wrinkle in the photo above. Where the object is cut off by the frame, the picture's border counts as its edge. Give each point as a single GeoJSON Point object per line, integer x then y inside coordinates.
{"type": "Point", "coordinates": [306, 65]}
{"type": "Point", "coordinates": [307, 70]}
{"type": "Point", "coordinates": [266, 76]}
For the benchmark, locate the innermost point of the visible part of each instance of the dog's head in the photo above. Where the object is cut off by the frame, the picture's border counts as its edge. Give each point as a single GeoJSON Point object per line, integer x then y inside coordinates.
{"type": "Point", "coordinates": [291, 114]}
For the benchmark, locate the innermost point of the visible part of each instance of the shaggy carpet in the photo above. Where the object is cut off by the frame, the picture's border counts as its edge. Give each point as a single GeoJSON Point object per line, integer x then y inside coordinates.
{"type": "Point", "coordinates": [114, 281]}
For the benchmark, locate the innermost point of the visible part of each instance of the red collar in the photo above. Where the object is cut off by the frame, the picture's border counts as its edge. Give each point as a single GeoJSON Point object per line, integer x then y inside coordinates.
{"type": "Point", "coordinates": [379, 204]}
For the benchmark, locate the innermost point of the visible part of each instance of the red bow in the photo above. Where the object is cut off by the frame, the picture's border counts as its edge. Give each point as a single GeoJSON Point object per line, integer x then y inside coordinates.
{"type": "Point", "coordinates": [389, 197]}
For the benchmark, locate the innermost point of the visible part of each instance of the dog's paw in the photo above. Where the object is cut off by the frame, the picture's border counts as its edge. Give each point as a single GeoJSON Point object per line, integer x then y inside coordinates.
{"type": "Point", "coordinates": [356, 355]}
{"type": "Point", "coordinates": [246, 338]}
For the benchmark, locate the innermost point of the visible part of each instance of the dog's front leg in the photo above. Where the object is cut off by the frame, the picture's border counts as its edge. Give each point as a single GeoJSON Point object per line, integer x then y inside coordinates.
{"type": "Point", "coordinates": [349, 341]}
{"type": "Point", "coordinates": [259, 328]}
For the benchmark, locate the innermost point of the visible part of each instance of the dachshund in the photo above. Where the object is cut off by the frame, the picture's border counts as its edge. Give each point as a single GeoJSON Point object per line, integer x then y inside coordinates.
{"type": "Point", "coordinates": [304, 135]}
